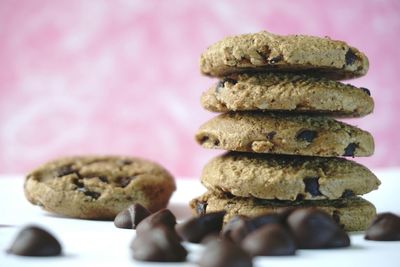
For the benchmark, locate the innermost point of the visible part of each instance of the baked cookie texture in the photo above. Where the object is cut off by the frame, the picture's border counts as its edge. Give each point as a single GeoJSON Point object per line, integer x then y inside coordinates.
{"type": "Point", "coordinates": [287, 92]}
{"type": "Point", "coordinates": [293, 134]}
{"type": "Point", "coordinates": [264, 51]}
{"type": "Point", "coordinates": [94, 187]}
{"type": "Point", "coordinates": [354, 214]}
{"type": "Point", "coordinates": [287, 177]}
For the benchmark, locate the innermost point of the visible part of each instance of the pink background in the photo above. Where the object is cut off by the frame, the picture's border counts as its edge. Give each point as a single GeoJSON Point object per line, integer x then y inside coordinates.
{"type": "Point", "coordinates": [122, 77]}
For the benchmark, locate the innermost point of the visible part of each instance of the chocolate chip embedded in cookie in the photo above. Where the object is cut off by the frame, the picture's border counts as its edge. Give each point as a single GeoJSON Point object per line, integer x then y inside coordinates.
{"type": "Point", "coordinates": [277, 133]}
{"type": "Point", "coordinates": [93, 187]}
{"type": "Point", "coordinates": [287, 92]}
{"type": "Point", "coordinates": [286, 177]}
{"type": "Point", "coordinates": [264, 51]}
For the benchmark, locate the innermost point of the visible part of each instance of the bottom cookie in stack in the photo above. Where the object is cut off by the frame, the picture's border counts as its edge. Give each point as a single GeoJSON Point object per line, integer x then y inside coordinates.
{"type": "Point", "coordinates": [254, 184]}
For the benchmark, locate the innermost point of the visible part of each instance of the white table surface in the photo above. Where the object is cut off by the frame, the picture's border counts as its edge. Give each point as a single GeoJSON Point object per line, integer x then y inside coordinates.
{"type": "Point", "coordinates": [99, 243]}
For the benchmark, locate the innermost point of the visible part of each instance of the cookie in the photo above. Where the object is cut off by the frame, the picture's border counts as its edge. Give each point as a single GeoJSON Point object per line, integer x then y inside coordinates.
{"type": "Point", "coordinates": [92, 187]}
{"type": "Point", "coordinates": [264, 51]}
{"type": "Point", "coordinates": [285, 177]}
{"type": "Point", "coordinates": [264, 132]}
{"type": "Point", "coordinates": [354, 213]}
{"type": "Point", "coordinates": [287, 92]}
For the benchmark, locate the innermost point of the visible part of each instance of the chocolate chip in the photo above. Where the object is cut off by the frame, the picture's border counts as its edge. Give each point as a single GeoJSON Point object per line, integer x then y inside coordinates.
{"type": "Point", "coordinates": [270, 240]}
{"type": "Point", "coordinates": [350, 57]}
{"type": "Point", "coordinates": [104, 179]}
{"type": "Point", "coordinates": [35, 241]}
{"type": "Point", "coordinates": [216, 142]}
{"type": "Point", "coordinates": [236, 229]}
{"type": "Point", "coordinates": [195, 229]}
{"type": "Point", "coordinates": [276, 59]}
{"type": "Point", "coordinates": [270, 135]}
{"type": "Point", "coordinates": [349, 150]}
{"type": "Point", "coordinates": [203, 139]}
{"type": "Point", "coordinates": [201, 208]}
{"type": "Point", "coordinates": [306, 135]}
{"type": "Point", "coordinates": [384, 227]}
{"type": "Point", "coordinates": [78, 183]}
{"type": "Point", "coordinates": [64, 170]}
{"type": "Point", "coordinates": [224, 253]}
{"type": "Point", "coordinates": [160, 245]}
{"type": "Point", "coordinates": [313, 229]}
{"type": "Point", "coordinates": [312, 186]}
{"type": "Point", "coordinates": [88, 193]}
{"type": "Point", "coordinates": [123, 181]}
{"type": "Point", "coordinates": [161, 217]}
{"type": "Point", "coordinates": [347, 193]}
{"type": "Point", "coordinates": [366, 90]}
{"type": "Point", "coordinates": [131, 216]}
{"type": "Point", "coordinates": [262, 220]}
{"type": "Point", "coordinates": [222, 82]}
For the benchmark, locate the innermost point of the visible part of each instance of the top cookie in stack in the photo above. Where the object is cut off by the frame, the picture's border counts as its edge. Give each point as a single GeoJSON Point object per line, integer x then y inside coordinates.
{"type": "Point", "coordinates": [278, 95]}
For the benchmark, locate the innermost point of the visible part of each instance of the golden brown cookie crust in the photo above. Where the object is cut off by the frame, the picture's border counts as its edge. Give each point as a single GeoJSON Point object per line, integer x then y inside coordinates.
{"type": "Point", "coordinates": [98, 187]}
{"type": "Point", "coordinates": [292, 134]}
{"type": "Point", "coordinates": [264, 51]}
{"type": "Point", "coordinates": [287, 92]}
{"type": "Point", "coordinates": [283, 177]}
{"type": "Point", "coordinates": [355, 214]}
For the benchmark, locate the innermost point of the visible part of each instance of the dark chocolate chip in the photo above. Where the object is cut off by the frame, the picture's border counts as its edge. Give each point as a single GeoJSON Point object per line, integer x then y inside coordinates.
{"type": "Point", "coordinates": [306, 135]}
{"type": "Point", "coordinates": [88, 193]}
{"type": "Point", "coordinates": [123, 181]}
{"type": "Point", "coordinates": [216, 142]}
{"type": "Point", "coordinates": [224, 253]}
{"type": "Point", "coordinates": [270, 135]}
{"type": "Point", "coordinates": [222, 82]}
{"type": "Point", "coordinates": [262, 220]}
{"type": "Point", "coordinates": [350, 57]}
{"type": "Point", "coordinates": [201, 208]}
{"type": "Point", "coordinates": [313, 229]}
{"type": "Point", "coordinates": [131, 216]}
{"type": "Point", "coordinates": [384, 227]}
{"type": "Point", "coordinates": [195, 229]}
{"type": "Point", "coordinates": [104, 179]}
{"type": "Point", "coordinates": [159, 245]}
{"type": "Point", "coordinates": [349, 150]}
{"type": "Point", "coordinates": [35, 241]}
{"type": "Point", "coordinates": [300, 197]}
{"type": "Point", "coordinates": [312, 186]}
{"type": "Point", "coordinates": [64, 170]}
{"type": "Point", "coordinates": [347, 193]}
{"type": "Point", "coordinates": [366, 90]}
{"type": "Point", "coordinates": [161, 217]}
{"type": "Point", "coordinates": [236, 229]}
{"type": "Point", "coordinates": [276, 59]}
{"type": "Point", "coordinates": [270, 240]}
{"type": "Point", "coordinates": [203, 139]}
{"type": "Point", "coordinates": [78, 183]}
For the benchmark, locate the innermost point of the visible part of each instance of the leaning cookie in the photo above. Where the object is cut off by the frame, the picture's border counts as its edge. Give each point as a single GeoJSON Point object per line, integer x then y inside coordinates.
{"type": "Point", "coordinates": [264, 132]}
{"type": "Point", "coordinates": [264, 51]}
{"type": "Point", "coordinates": [93, 187]}
{"type": "Point", "coordinates": [286, 177]}
{"type": "Point", "coordinates": [287, 92]}
{"type": "Point", "coordinates": [354, 213]}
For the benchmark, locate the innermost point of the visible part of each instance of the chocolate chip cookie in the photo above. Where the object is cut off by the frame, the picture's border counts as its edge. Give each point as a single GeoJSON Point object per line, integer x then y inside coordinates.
{"type": "Point", "coordinates": [354, 213]}
{"type": "Point", "coordinates": [283, 177]}
{"type": "Point", "coordinates": [264, 51]}
{"type": "Point", "coordinates": [264, 132]}
{"type": "Point", "coordinates": [287, 92]}
{"type": "Point", "coordinates": [94, 187]}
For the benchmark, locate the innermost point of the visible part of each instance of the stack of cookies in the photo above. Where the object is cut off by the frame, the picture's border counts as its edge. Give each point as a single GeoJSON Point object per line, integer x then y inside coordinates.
{"type": "Point", "coordinates": [278, 96]}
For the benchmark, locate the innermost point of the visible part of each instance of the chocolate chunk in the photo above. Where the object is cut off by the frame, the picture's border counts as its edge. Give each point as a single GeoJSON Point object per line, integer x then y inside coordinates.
{"type": "Point", "coordinates": [160, 245]}
{"type": "Point", "coordinates": [276, 59]}
{"type": "Point", "coordinates": [195, 229]}
{"type": "Point", "coordinates": [384, 227]}
{"type": "Point", "coordinates": [161, 217]}
{"type": "Point", "coordinates": [347, 193]}
{"type": "Point", "coordinates": [104, 179]}
{"type": "Point", "coordinates": [312, 186]}
{"type": "Point", "coordinates": [306, 135]}
{"type": "Point", "coordinates": [78, 183]}
{"type": "Point", "coordinates": [131, 216]}
{"type": "Point", "coordinates": [35, 241]}
{"type": "Point", "coordinates": [216, 142]}
{"type": "Point", "coordinates": [314, 229]}
{"type": "Point", "coordinates": [350, 57]}
{"type": "Point", "coordinates": [201, 208]}
{"type": "Point", "coordinates": [88, 193]}
{"type": "Point", "coordinates": [270, 240]}
{"type": "Point", "coordinates": [349, 150]}
{"type": "Point", "coordinates": [64, 170]}
{"type": "Point", "coordinates": [366, 90]}
{"type": "Point", "coordinates": [224, 253]}
{"type": "Point", "coordinates": [236, 229]}
{"type": "Point", "coordinates": [270, 135]}
{"type": "Point", "coordinates": [123, 181]}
